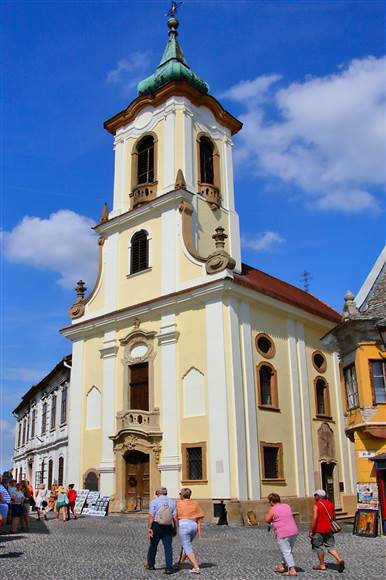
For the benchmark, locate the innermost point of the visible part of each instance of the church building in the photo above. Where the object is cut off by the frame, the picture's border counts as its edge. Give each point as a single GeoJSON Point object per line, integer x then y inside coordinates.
{"type": "Point", "coordinates": [189, 367]}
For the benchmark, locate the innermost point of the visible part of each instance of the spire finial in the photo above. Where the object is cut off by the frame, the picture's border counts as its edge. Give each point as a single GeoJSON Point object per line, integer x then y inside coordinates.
{"type": "Point", "coordinates": [173, 23]}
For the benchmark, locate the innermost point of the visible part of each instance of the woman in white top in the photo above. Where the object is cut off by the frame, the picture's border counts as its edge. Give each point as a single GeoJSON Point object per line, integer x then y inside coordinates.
{"type": "Point", "coordinates": [41, 495]}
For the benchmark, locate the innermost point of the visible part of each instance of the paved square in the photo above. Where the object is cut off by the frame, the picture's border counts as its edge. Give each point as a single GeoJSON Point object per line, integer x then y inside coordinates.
{"type": "Point", "coordinates": [115, 548]}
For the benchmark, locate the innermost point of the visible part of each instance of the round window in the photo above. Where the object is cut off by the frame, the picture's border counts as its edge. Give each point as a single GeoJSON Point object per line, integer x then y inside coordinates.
{"type": "Point", "coordinates": [319, 361]}
{"type": "Point", "coordinates": [264, 345]}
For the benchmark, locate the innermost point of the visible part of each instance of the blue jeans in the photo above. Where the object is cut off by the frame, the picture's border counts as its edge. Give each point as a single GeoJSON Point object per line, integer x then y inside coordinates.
{"type": "Point", "coordinates": [163, 533]}
{"type": "Point", "coordinates": [188, 531]}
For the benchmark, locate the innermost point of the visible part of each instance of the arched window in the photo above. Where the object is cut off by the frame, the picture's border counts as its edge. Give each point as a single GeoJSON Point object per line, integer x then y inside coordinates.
{"type": "Point", "coordinates": [266, 377]}
{"type": "Point", "coordinates": [322, 398]}
{"type": "Point", "coordinates": [60, 470]}
{"type": "Point", "coordinates": [139, 253]}
{"type": "Point", "coordinates": [206, 161]}
{"type": "Point", "coordinates": [145, 162]}
{"type": "Point", "coordinates": [91, 481]}
{"type": "Point", "coordinates": [50, 472]}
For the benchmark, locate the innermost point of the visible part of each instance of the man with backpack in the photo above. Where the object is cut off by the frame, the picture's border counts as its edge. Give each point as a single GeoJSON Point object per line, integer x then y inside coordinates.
{"type": "Point", "coordinates": [161, 525]}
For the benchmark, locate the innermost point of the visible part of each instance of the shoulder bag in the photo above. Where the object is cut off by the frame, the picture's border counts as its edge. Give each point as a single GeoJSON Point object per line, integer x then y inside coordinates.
{"type": "Point", "coordinates": [335, 527]}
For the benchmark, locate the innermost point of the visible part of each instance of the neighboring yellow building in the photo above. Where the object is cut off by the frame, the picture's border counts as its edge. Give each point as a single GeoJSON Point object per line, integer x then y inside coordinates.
{"type": "Point", "coordinates": [189, 367]}
{"type": "Point", "coordinates": [360, 339]}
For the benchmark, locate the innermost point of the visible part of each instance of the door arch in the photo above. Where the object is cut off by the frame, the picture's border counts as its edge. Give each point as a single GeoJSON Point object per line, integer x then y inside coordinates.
{"type": "Point", "coordinates": [137, 494]}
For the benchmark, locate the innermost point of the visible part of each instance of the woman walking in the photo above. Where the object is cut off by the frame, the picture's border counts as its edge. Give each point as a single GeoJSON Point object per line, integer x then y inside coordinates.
{"type": "Point", "coordinates": [26, 505]}
{"type": "Point", "coordinates": [283, 522]}
{"type": "Point", "coordinates": [41, 501]}
{"type": "Point", "coordinates": [17, 507]}
{"type": "Point", "coordinates": [189, 515]}
{"type": "Point", "coordinates": [61, 503]}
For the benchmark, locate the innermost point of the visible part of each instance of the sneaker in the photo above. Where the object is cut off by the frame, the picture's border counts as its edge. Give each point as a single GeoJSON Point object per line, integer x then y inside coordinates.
{"type": "Point", "coordinates": [147, 567]}
{"type": "Point", "coordinates": [167, 571]}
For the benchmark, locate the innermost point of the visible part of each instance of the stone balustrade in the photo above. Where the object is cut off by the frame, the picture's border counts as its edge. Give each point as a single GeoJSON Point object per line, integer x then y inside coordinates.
{"type": "Point", "coordinates": [136, 420]}
{"type": "Point", "coordinates": [143, 194]}
{"type": "Point", "coordinates": [211, 193]}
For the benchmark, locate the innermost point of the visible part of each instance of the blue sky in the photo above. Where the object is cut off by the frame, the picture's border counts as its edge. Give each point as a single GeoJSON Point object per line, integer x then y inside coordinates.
{"type": "Point", "coordinates": [307, 79]}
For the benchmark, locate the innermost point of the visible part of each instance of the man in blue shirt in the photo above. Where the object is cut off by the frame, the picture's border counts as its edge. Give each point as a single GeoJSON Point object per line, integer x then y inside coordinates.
{"type": "Point", "coordinates": [5, 500]}
{"type": "Point", "coordinates": [161, 525]}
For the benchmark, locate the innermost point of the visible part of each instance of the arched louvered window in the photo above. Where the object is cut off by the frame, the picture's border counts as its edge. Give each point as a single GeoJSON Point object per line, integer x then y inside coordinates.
{"type": "Point", "coordinates": [267, 391]}
{"type": "Point", "coordinates": [50, 473]}
{"type": "Point", "coordinates": [145, 168]}
{"type": "Point", "coordinates": [206, 161]}
{"type": "Point", "coordinates": [139, 257]}
{"type": "Point", "coordinates": [60, 470]}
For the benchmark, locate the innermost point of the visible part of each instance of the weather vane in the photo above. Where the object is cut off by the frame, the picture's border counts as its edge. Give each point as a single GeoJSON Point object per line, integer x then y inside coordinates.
{"type": "Point", "coordinates": [173, 9]}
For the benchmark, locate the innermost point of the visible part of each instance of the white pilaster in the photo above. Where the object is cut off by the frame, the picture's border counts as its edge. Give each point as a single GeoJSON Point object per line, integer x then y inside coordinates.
{"type": "Point", "coordinates": [240, 460]}
{"type": "Point", "coordinates": [219, 468]}
{"type": "Point", "coordinates": [343, 456]}
{"type": "Point", "coordinates": [253, 465]}
{"type": "Point", "coordinates": [306, 411]}
{"type": "Point", "coordinates": [74, 415]}
{"type": "Point", "coordinates": [188, 150]}
{"type": "Point", "coordinates": [111, 278]}
{"type": "Point", "coordinates": [106, 468]}
{"type": "Point", "coordinates": [170, 465]}
{"type": "Point", "coordinates": [227, 174]}
{"type": "Point", "coordinates": [296, 412]}
{"type": "Point", "coordinates": [169, 150]}
{"type": "Point", "coordinates": [119, 177]}
{"type": "Point", "coordinates": [169, 251]}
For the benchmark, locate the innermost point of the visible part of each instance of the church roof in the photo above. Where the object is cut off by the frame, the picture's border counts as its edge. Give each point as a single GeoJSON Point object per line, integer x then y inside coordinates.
{"type": "Point", "coordinates": [280, 290]}
{"type": "Point", "coordinates": [173, 67]}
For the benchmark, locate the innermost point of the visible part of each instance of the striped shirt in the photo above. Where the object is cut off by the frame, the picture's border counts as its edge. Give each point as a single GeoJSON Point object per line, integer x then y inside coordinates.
{"type": "Point", "coordinates": [5, 497]}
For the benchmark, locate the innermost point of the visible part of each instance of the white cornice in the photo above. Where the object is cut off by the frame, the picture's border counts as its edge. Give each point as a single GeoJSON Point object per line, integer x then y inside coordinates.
{"type": "Point", "coordinates": [125, 219]}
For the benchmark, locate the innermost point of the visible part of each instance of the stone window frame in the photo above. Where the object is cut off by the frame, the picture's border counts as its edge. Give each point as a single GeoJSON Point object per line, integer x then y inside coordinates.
{"type": "Point", "coordinates": [53, 411]}
{"type": "Point", "coordinates": [149, 252]}
{"type": "Point", "coordinates": [134, 160]}
{"type": "Point", "coordinates": [326, 398]}
{"type": "Point", "coordinates": [63, 398]}
{"type": "Point", "coordinates": [280, 462]}
{"type": "Point", "coordinates": [61, 460]}
{"type": "Point", "coordinates": [184, 456]}
{"type": "Point", "coordinates": [323, 367]}
{"type": "Point", "coordinates": [216, 160]}
{"type": "Point", "coordinates": [274, 388]}
{"type": "Point", "coordinates": [129, 342]}
{"type": "Point", "coordinates": [272, 351]}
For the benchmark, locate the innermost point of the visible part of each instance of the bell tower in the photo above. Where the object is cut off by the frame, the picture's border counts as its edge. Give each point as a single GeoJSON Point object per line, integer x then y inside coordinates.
{"type": "Point", "coordinates": [175, 135]}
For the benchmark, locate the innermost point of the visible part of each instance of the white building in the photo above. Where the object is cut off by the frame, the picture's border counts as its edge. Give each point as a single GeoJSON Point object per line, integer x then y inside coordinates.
{"type": "Point", "coordinates": [41, 430]}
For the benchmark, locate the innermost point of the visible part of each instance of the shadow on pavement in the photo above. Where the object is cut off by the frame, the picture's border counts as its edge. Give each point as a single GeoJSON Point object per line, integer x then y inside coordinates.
{"type": "Point", "coordinates": [11, 555]}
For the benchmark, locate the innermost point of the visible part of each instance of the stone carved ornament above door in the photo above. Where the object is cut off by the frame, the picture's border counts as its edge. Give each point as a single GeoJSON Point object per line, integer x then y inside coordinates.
{"type": "Point", "coordinates": [138, 346]}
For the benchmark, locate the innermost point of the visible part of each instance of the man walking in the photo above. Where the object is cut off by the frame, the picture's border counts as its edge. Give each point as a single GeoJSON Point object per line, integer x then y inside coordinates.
{"type": "Point", "coordinates": [321, 530]}
{"type": "Point", "coordinates": [161, 525]}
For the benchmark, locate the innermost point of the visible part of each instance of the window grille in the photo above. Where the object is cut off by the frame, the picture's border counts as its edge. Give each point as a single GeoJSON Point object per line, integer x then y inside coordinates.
{"type": "Point", "coordinates": [139, 252]}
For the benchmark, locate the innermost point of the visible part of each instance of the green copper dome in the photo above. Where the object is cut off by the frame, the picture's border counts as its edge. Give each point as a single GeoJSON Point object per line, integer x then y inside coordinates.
{"type": "Point", "coordinates": [173, 67]}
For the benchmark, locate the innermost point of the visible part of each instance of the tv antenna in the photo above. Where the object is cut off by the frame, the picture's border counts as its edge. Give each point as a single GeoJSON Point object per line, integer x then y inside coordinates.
{"type": "Point", "coordinates": [305, 280]}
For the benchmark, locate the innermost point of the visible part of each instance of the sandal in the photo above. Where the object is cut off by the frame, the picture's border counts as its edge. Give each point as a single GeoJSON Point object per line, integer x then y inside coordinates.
{"type": "Point", "coordinates": [319, 569]}
{"type": "Point", "coordinates": [289, 573]}
{"type": "Point", "coordinates": [195, 571]}
{"type": "Point", "coordinates": [280, 568]}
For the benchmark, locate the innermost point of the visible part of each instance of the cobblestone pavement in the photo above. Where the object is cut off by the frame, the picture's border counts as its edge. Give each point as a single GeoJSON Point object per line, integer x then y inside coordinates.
{"type": "Point", "coordinates": [115, 548]}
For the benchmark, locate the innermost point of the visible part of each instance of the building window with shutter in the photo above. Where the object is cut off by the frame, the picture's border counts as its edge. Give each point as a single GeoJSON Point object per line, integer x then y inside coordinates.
{"type": "Point", "coordinates": [194, 463]}
{"type": "Point", "coordinates": [266, 379]}
{"type": "Point", "coordinates": [272, 461]}
{"type": "Point", "coordinates": [139, 252]}
{"type": "Point", "coordinates": [63, 407]}
{"type": "Point", "coordinates": [19, 435]}
{"type": "Point", "coordinates": [378, 381]}
{"type": "Point", "coordinates": [24, 430]}
{"type": "Point", "coordinates": [50, 473]}
{"type": "Point", "coordinates": [33, 426]}
{"type": "Point", "coordinates": [145, 160]}
{"type": "Point", "coordinates": [53, 413]}
{"type": "Point", "coordinates": [322, 398]}
{"type": "Point", "coordinates": [44, 418]}
{"type": "Point", "coordinates": [350, 381]}
{"type": "Point", "coordinates": [60, 470]}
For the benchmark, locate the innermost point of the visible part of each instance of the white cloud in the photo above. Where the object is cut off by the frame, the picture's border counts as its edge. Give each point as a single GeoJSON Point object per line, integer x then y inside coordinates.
{"type": "Point", "coordinates": [324, 135]}
{"type": "Point", "coordinates": [266, 242]}
{"type": "Point", "coordinates": [129, 71]}
{"type": "Point", "coordinates": [63, 243]}
{"type": "Point", "coordinates": [23, 374]}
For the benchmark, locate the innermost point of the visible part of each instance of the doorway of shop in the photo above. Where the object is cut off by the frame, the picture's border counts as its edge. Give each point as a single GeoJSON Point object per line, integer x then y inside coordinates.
{"type": "Point", "coordinates": [328, 480]}
{"type": "Point", "coordinates": [137, 480]}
